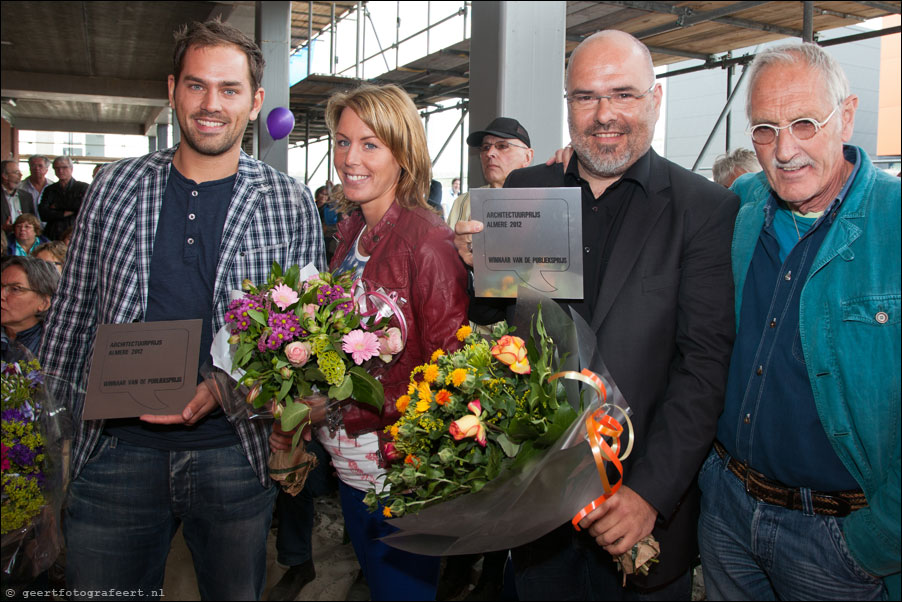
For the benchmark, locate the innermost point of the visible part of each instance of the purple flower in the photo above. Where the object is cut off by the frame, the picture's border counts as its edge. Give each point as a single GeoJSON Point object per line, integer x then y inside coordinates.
{"type": "Point", "coordinates": [237, 314]}
{"type": "Point", "coordinates": [13, 415]}
{"type": "Point", "coordinates": [287, 325]}
{"type": "Point", "coordinates": [22, 455]}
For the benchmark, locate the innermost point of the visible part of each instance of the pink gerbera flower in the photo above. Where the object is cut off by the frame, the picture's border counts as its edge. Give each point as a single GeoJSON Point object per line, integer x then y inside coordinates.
{"type": "Point", "coordinates": [361, 345]}
{"type": "Point", "coordinates": [284, 296]}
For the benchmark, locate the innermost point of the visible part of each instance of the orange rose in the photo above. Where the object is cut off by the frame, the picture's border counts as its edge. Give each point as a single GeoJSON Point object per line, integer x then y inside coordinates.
{"type": "Point", "coordinates": [468, 426]}
{"type": "Point", "coordinates": [511, 351]}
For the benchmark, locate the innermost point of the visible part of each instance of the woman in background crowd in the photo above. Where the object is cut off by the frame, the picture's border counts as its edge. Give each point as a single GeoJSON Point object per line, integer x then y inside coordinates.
{"type": "Point", "coordinates": [28, 284]}
{"type": "Point", "coordinates": [26, 235]}
{"type": "Point", "coordinates": [52, 252]}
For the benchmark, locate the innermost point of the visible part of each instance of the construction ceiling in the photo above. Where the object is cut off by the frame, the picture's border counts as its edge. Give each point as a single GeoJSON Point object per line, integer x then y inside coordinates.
{"type": "Point", "coordinates": [101, 66]}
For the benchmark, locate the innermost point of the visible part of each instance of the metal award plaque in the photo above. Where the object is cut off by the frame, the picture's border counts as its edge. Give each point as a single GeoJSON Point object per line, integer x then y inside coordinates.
{"type": "Point", "coordinates": [532, 238]}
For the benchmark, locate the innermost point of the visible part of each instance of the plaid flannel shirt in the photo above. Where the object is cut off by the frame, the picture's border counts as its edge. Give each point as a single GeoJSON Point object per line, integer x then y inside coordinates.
{"type": "Point", "coordinates": [105, 279]}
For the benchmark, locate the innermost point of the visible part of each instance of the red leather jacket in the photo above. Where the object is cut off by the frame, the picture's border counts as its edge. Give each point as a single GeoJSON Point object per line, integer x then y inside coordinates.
{"type": "Point", "coordinates": [412, 253]}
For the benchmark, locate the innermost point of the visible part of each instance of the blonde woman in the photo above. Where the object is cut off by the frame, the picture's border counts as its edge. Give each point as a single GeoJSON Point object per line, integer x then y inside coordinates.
{"type": "Point", "coordinates": [396, 243]}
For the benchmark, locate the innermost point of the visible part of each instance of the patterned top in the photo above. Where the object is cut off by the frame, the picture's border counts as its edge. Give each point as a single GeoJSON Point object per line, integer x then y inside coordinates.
{"type": "Point", "coordinates": [105, 279]}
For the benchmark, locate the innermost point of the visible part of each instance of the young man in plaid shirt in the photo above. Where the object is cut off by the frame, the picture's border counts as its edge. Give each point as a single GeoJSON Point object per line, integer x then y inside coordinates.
{"type": "Point", "coordinates": [165, 237]}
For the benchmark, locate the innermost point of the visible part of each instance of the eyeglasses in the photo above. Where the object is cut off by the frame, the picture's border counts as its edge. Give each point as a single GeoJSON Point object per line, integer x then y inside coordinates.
{"type": "Point", "coordinates": [805, 128]}
{"type": "Point", "coordinates": [15, 289]}
{"type": "Point", "coordinates": [501, 146]}
{"type": "Point", "coordinates": [620, 100]}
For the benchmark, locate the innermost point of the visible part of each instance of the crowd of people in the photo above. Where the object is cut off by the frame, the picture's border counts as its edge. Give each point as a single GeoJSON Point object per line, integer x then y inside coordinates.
{"type": "Point", "coordinates": [754, 330]}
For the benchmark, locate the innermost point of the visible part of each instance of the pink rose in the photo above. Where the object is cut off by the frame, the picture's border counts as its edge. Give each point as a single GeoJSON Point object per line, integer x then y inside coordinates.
{"type": "Point", "coordinates": [390, 343]}
{"type": "Point", "coordinates": [310, 310]}
{"type": "Point", "coordinates": [298, 353]}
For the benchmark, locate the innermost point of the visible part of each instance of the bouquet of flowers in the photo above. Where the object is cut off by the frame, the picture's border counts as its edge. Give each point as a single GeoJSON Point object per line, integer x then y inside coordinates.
{"type": "Point", "coordinates": [470, 415]}
{"type": "Point", "coordinates": [302, 344]}
{"type": "Point", "coordinates": [32, 440]}
{"type": "Point", "coordinates": [494, 436]}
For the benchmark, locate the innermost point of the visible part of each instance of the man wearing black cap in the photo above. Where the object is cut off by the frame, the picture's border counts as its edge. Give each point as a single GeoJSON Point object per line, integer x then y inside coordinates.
{"type": "Point", "coordinates": [503, 147]}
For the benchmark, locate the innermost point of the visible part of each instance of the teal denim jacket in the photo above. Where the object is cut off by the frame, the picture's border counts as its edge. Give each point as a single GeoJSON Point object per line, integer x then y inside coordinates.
{"type": "Point", "coordinates": [850, 332]}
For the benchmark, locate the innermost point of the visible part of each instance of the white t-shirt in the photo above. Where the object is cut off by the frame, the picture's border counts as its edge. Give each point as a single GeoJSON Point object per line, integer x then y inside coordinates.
{"type": "Point", "coordinates": [355, 458]}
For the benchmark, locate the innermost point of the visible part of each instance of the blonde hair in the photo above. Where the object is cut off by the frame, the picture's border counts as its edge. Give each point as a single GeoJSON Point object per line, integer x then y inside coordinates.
{"type": "Point", "coordinates": [389, 112]}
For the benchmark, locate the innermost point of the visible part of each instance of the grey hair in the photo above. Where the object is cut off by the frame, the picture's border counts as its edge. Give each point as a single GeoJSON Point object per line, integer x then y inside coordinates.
{"type": "Point", "coordinates": [64, 158]}
{"type": "Point", "coordinates": [808, 54]}
{"type": "Point", "coordinates": [41, 157]}
{"type": "Point", "coordinates": [741, 158]}
{"type": "Point", "coordinates": [42, 277]}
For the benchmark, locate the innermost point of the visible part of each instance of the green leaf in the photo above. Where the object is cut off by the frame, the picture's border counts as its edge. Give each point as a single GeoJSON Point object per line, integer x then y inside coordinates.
{"type": "Point", "coordinates": [284, 389]}
{"type": "Point", "coordinates": [296, 439]}
{"type": "Point", "coordinates": [292, 276]}
{"type": "Point", "coordinates": [521, 429]}
{"type": "Point", "coordinates": [367, 389]}
{"type": "Point", "coordinates": [342, 391]}
{"type": "Point", "coordinates": [293, 414]}
{"type": "Point", "coordinates": [560, 421]}
{"type": "Point", "coordinates": [509, 447]}
{"type": "Point", "coordinates": [241, 353]}
{"type": "Point", "coordinates": [256, 316]}
{"type": "Point", "coordinates": [276, 269]}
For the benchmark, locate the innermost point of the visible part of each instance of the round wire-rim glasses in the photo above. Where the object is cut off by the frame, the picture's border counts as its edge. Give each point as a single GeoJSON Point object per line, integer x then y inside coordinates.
{"type": "Point", "coordinates": [804, 128]}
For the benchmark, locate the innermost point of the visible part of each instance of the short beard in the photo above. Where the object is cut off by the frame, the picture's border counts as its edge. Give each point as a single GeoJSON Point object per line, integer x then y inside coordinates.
{"type": "Point", "coordinates": [210, 151]}
{"type": "Point", "coordinates": [603, 165]}
{"type": "Point", "coordinates": [599, 160]}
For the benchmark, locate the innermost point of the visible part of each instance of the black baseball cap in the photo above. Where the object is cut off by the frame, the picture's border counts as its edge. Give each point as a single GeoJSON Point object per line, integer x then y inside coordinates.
{"type": "Point", "coordinates": [503, 127]}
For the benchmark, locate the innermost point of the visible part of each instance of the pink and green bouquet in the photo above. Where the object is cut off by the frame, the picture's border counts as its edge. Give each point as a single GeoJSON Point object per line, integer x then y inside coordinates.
{"type": "Point", "coordinates": [295, 336]}
{"type": "Point", "coordinates": [300, 341]}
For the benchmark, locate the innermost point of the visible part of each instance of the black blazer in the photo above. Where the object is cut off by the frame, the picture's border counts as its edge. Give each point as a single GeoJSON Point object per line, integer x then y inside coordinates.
{"type": "Point", "coordinates": [24, 199]}
{"type": "Point", "coordinates": [665, 327]}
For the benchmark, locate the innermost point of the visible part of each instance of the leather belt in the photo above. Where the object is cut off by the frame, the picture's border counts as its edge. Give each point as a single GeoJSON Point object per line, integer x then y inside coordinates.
{"type": "Point", "coordinates": [835, 503]}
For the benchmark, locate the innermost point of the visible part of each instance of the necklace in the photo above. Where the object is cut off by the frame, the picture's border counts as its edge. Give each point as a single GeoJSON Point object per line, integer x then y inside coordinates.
{"type": "Point", "coordinates": [792, 214]}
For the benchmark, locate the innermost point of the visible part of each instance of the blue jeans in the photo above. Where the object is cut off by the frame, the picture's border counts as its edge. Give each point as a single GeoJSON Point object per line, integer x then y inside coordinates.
{"type": "Point", "coordinates": [752, 550]}
{"type": "Point", "coordinates": [570, 565]}
{"type": "Point", "coordinates": [295, 513]}
{"type": "Point", "coordinates": [392, 574]}
{"type": "Point", "coordinates": [128, 501]}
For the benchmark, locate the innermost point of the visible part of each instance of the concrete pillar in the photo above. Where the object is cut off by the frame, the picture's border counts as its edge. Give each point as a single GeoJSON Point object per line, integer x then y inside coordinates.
{"type": "Point", "coordinates": [518, 71]}
{"type": "Point", "coordinates": [273, 33]}
{"type": "Point", "coordinates": [163, 136]}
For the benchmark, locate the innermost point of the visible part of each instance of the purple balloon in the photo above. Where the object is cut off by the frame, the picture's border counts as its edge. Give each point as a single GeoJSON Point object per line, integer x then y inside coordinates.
{"type": "Point", "coordinates": [279, 122]}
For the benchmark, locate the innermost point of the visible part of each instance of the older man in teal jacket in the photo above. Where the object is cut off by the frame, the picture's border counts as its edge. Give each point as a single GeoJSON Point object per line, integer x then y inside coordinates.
{"type": "Point", "coordinates": [801, 494]}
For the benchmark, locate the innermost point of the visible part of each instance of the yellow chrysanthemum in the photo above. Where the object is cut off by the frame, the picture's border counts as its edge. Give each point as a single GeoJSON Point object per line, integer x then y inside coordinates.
{"type": "Point", "coordinates": [424, 391]}
{"type": "Point", "coordinates": [394, 431]}
{"type": "Point", "coordinates": [422, 406]}
{"type": "Point", "coordinates": [436, 354]}
{"type": "Point", "coordinates": [386, 512]}
{"type": "Point", "coordinates": [411, 388]}
{"type": "Point", "coordinates": [458, 376]}
{"type": "Point", "coordinates": [430, 373]}
{"type": "Point", "coordinates": [402, 403]}
{"type": "Point", "coordinates": [463, 332]}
